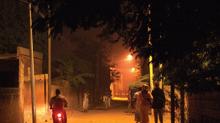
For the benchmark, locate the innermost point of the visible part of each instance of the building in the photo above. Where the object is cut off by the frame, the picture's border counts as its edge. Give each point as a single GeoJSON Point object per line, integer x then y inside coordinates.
{"type": "Point", "coordinates": [15, 85]}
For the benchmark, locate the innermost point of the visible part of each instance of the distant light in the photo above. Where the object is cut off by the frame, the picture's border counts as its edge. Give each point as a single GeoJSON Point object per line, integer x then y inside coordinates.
{"type": "Point", "coordinates": [133, 69]}
{"type": "Point", "coordinates": [160, 66]}
{"type": "Point", "coordinates": [129, 57]}
{"type": "Point", "coordinates": [119, 98]}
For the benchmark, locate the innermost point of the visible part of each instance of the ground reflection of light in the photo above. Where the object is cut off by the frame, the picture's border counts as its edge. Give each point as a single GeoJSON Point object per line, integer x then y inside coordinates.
{"type": "Point", "coordinates": [41, 114]}
{"type": "Point", "coordinates": [41, 110]}
{"type": "Point", "coordinates": [120, 98]}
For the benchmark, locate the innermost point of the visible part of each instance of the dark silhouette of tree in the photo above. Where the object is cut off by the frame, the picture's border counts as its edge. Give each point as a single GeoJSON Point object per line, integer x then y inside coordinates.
{"type": "Point", "coordinates": [14, 27]}
{"type": "Point", "coordinates": [114, 73]}
{"type": "Point", "coordinates": [184, 33]}
{"type": "Point", "coordinates": [176, 25]}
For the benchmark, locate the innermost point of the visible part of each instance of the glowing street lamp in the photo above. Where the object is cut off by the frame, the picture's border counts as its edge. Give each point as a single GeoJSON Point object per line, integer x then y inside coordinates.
{"type": "Point", "coordinates": [129, 57]}
{"type": "Point", "coordinates": [133, 70]}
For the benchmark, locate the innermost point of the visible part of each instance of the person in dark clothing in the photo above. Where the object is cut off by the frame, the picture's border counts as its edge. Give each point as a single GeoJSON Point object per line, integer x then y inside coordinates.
{"type": "Point", "coordinates": [158, 103]}
{"type": "Point", "coordinates": [57, 104]}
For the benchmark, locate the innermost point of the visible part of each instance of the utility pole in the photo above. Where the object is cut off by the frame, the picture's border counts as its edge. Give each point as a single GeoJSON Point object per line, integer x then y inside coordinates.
{"type": "Point", "coordinates": [49, 54]}
{"type": "Point", "coordinates": [32, 65]}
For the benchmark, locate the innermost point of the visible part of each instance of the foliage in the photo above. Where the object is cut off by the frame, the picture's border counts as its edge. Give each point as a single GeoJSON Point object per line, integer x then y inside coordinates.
{"type": "Point", "coordinates": [205, 66]}
{"type": "Point", "coordinates": [12, 34]}
{"type": "Point", "coordinates": [14, 27]}
{"type": "Point", "coordinates": [199, 70]}
{"type": "Point", "coordinates": [171, 20]}
{"type": "Point", "coordinates": [114, 73]}
{"type": "Point", "coordinates": [180, 29]}
{"type": "Point", "coordinates": [74, 70]}
{"type": "Point", "coordinates": [176, 27]}
{"type": "Point", "coordinates": [84, 13]}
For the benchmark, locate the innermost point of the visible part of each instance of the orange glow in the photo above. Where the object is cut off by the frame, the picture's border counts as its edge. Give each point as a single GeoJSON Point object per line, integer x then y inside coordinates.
{"type": "Point", "coordinates": [151, 72]}
{"type": "Point", "coordinates": [125, 64]}
{"type": "Point", "coordinates": [160, 66]}
{"type": "Point", "coordinates": [120, 98]}
{"type": "Point", "coordinates": [129, 57]}
{"type": "Point", "coordinates": [133, 70]}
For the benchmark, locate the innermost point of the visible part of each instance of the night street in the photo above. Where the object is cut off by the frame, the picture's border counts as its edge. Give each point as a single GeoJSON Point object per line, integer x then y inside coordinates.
{"type": "Point", "coordinates": [98, 61]}
{"type": "Point", "coordinates": [115, 115]}
{"type": "Point", "coordinates": [109, 116]}
{"type": "Point", "coordinates": [101, 116]}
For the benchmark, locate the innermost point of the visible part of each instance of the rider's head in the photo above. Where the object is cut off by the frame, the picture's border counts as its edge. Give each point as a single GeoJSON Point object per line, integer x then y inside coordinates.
{"type": "Point", "coordinates": [57, 92]}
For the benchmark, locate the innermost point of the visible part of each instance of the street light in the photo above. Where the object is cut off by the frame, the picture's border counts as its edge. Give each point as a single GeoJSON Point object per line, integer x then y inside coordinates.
{"type": "Point", "coordinates": [133, 70]}
{"type": "Point", "coordinates": [129, 57]}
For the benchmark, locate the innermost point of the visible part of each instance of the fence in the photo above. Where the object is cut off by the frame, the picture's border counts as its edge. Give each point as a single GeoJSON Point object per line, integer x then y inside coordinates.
{"type": "Point", "coordinates": [11, 109]}
{"type": "Point", "coordinates": [41, 95]}
{"type": "Point", "coordinates": [204, 108]}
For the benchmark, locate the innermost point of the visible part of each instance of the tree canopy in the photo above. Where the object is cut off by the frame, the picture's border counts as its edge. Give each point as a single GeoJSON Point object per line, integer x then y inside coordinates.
{"type": "Point", "coordinates": [175, 24]}
{"type": "Point", "coordinates": [12, 34]}
{"type": "Point", "coordinates": [182, 31]}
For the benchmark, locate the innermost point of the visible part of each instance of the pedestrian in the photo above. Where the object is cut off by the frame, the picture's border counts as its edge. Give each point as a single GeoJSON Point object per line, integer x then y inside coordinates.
{"type": "Point", "coordinates": [107, 101]}
{"type": "Point", "coordinates": [145, 107]}
{"type": "Point", "coordinates": [137, 105]}
{"type": "Point", "coordinates": [129, 100]}
{"type": "Point", "coordinates": [158, 103]}
{"type": "Point", "coordinates": [85, 102]}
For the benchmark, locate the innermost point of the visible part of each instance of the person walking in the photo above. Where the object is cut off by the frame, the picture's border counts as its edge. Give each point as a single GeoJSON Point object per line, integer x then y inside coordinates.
{"type": "Point", "coordinates": [107, 101]}
{"type": "Point", "coordinates": [85, 102]}
{"type": "Point", "coordinates": [145, 106]}
{"type": "Point", "coordinates": [158, 103]}
{"type": "Point", "coordinates": [137, 107]}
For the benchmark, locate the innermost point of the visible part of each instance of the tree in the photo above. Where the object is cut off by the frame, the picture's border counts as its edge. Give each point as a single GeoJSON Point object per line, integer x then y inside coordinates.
{"type": "Point", "coordinates": [114, 73]}
{"type": "Point", "coordinates": [12, 34]}
{"type": "Point", "coordinates": [179, 28]}
{"type": "Point", "coordinates": [87, 55]}
{"type": "Point", "coordinates": [14, 27]}
{"type": "Point", "coordinates": [74, 70]}
{"type": "Point", "coordinates": [191, 21]}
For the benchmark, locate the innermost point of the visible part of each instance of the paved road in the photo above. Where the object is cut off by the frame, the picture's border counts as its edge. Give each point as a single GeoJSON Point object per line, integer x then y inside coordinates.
{"type": "Point", "coordinates": [113, 115]}
{"type": "Point", "coordinates": [102, 116]}
{"type": "Point", "coordinates": [118, 115]}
